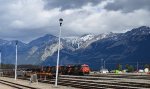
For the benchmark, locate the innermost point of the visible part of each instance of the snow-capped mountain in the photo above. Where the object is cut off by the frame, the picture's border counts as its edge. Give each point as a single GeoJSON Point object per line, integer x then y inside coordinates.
{"type": "Point", "coordinates": [87, 48]}
{"type": "Point", "coordinates": [124, 48]}
{"type": "Point", "coordinates": [77, 42]}
{"type": "Point", "coordinates": [86, 39]}
{"type": "Point", "coordinates": [113, 47]}
{"type": "Point", "coordinates": [98, 37]}
{"type": "Point", "coordinates": [143, 30]}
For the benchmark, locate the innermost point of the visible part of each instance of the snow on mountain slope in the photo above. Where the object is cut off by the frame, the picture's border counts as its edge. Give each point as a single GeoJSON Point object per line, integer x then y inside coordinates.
{"type": "Point", "coordinates": [33, 50]}
{"type": "Point", "coordinates": [76, 42]}
{"type": "Point", "coordinates": [50, 50]}
{"type": "Point", "coordinates": [86, 37]}
{"type": "Point", "coordinates": [92, 39]}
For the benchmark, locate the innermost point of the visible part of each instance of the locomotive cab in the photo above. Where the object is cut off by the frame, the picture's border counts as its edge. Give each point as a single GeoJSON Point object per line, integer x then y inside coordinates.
{"type": "Point", "coordinates": [84, 69]}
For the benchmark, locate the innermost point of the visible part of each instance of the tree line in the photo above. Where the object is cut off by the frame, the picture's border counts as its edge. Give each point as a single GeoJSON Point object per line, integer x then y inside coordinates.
{"type": "Point", "coordinates": [131, 68]}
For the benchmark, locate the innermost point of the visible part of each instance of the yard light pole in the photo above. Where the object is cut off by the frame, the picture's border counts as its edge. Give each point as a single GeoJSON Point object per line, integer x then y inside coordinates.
{"type": "Point", "coordinates": [56, 80]}
{"type": "Point", "coordinates": [0, 60]}
{"type": "Point", "coordinates": [104, 64]}
{"type": "Point", "coordinates": [16, 62]}
{"type": "Point", "coordinates": [137, 66]}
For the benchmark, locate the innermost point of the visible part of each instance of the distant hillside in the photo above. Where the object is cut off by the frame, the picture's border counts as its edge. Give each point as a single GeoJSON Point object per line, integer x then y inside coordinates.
{"type": "Point", "coordinates": [114, 48]}
{"type": "Point", "coordinates": [124, 48]}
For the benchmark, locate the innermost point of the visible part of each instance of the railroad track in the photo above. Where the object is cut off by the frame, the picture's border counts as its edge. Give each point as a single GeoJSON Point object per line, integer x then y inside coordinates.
{"type": "Point", "coordinates": [86, 82]}
{"type": "Point", "coordinates": [15, 85]}
{"type": "Point", "coordinates": [90, 82]}
{"type": "Point", "coordinates": [146, 77]}
{"type": "Point", "coordinates": [98, 82]}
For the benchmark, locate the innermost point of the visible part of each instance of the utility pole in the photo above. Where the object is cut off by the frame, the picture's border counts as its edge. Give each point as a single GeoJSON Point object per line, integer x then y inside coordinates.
{"type": "Point", "coordinates": [0, 60]}
{"type": "Point", "coordinates": [16, 62]}
{"type": "Point", "coordinates": [56, 80]}
{"type": "Point", "coordinates": [102, 63]}
{"type": "Point", "coordinates": [137, 66]}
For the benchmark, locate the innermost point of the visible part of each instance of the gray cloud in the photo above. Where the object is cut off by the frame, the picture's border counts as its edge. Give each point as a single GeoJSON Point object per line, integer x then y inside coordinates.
{"type": "Point", "coordinates": [128, 5]}
{"type": "Point", "coordinates": [69, 4]}
{"type": "Point", "coordinates": [26, 20]}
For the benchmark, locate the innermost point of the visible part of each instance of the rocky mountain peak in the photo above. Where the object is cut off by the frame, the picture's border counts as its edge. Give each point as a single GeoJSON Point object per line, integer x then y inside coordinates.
{"type": "Point", "coordinates": [143, 30]}
{"type": "Point", "coordinates": [48, 38]}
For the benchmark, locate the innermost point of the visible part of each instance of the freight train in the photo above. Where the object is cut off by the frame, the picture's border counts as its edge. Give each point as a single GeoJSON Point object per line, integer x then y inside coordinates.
{"type": "Point", "coordinates": [80, 69]}
{"type": "Point", "coordinates": [50, 71]}
{"type": "Point", "coordinates": [68, 70]}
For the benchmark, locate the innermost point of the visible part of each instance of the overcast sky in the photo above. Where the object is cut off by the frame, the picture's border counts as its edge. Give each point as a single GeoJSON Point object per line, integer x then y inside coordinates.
{"type": "Point", "coordinates": [26, 20]}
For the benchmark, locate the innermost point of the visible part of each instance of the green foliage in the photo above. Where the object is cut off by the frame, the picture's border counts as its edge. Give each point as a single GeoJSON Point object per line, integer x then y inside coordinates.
{"type": "Point", "coordinates": [146, 66]}
{"type": "Point", "coordinates": [126, 66]}
{"type": "Point", "coordinates": [119, 67]}
{"type": "Point", "coordinates": [130, 68]}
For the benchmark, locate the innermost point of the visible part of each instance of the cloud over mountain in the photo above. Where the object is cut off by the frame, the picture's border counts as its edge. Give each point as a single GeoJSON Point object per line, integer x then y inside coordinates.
{"type": "Point", "coordinates": [28, 19]}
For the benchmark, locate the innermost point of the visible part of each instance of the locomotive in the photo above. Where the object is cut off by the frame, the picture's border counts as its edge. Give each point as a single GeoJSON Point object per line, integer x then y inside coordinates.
{"type": "Point", "coordinates": [77, 70]}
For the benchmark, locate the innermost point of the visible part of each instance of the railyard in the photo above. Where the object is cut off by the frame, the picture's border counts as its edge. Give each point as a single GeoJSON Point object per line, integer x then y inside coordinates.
{"type": "Point", "coordinates": [92, 81]}
{"type": "Point", "coordinates": [10, 83]}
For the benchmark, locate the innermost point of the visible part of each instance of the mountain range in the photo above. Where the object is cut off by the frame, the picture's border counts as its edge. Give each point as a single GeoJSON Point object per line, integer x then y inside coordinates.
{"type": "Point", "coordinates": [114, 48]}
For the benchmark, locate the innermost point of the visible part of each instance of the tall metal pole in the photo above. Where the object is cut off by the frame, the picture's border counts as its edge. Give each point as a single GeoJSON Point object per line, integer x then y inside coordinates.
{"type": "Point", "coordinates": [104, 64]}
{"type": "Point", "coordinates": [16, 62]}
{"type": "Point", "coordinates": [137, 66]}
{"type": "Point", "coordinates": [0, 60]}
{"type": "Point", "coordinates": [56, 80]}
